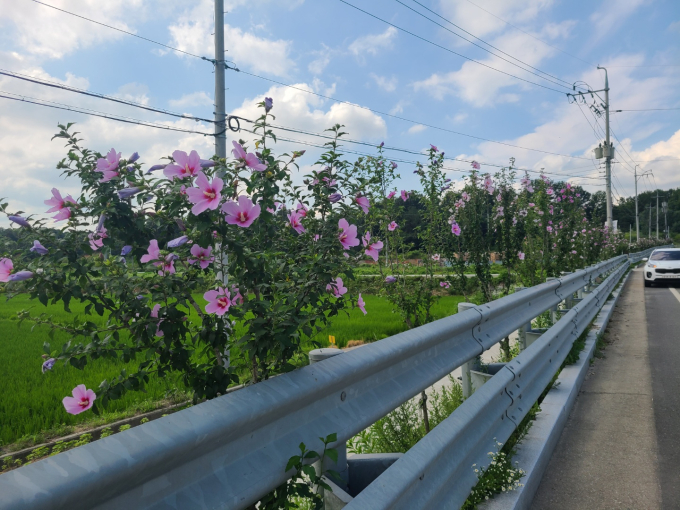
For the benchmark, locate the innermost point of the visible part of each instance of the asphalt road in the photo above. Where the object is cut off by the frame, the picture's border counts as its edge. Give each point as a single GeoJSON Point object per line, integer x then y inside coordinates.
{"type": "Point", "coordinates": [620, 448]}
{"type": "Point", "coordinates": [662, 304]}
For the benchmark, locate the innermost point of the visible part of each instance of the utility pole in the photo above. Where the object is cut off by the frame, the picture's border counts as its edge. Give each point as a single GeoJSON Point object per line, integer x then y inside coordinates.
{"type": "Point", "coordinates": [608, 152]}
{"type": "Point", "coordinates": [657, 215]}
{"type": "Point", "coordinates": [649, 231]}
{"type": "Point", "coordinates": [664, 207]}
{"type": "Point", "coordinates": [221, 144]}
{"type": "Point", "coordinates": [220, 108]}
{"type": "Point", "coordinates": [637, 214]}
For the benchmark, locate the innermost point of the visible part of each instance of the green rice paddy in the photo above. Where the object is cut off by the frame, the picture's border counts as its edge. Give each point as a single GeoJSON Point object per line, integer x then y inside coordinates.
{"type": "Point", "coordinates": [30, 401]}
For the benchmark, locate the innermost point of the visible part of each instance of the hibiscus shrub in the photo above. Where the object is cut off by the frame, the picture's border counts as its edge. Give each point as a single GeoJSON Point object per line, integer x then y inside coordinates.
{"type": "Point", "coordinates": [137, 246]}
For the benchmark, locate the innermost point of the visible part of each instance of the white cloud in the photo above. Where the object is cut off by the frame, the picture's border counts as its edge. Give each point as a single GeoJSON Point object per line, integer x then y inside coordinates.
{"type": "Point", "coordinates": [323, 58]}
{"type": "Point", "coordinates": [300, 110]}
{"type": "Point", "coordinates": [398, 108]}
{"type": "Point", "coordinates": [200, 98]}
{"type": "Point", "coordinates": [373, 43]}
{"type": "Point", "coordinates": [135, 92]}
{"type": "Point", "coordinates": [460, 118]}
{"type": "Point", "coordinates": [247, 50]}
{"type": "Point", "coordinates": [481, 86]}
{"type": "Point", "coordinates": [611, 15]}
{"type": "Point", "coordinates": [480, 23]}
{"type": "Point", "coordinates": [567, 132]}
{"type": "Point", "coordinates": [31, 157]}
{"type": "Point", "coordinates": [387, 84]}
{"type": "Point", "coordinates": [46, 32]}
{"type": "Point", "coordinates": [418, 128]}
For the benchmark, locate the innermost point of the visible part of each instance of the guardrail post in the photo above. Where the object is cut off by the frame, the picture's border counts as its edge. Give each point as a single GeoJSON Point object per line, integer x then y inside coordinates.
{"type": "Point", "coordinates": [315, 356]}
{"type": "Point", "coordinates": [522, 331]}
{"type": "Point", "coordinates": [473, 364]}
{"type": "Point", "coordinates": [568, 300]}
{"type": "Point", "coordinates": [553, 310]}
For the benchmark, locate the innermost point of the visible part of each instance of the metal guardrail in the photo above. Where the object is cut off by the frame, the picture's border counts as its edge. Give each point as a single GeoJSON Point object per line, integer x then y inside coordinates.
{"type": "Point", "coordinates": [230, 451]}
{"type": "Point", "coordinates": [438, 471]}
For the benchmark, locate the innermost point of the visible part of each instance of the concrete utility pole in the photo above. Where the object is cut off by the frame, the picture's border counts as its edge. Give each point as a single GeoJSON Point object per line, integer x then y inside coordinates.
{"type": "Point", "coordinates": [657, 215]}
{"type": "Point", "coordinates": [637, 214]}
{"type": "Point", "coordinates": [220, 108]}
{"type": "Point", "coordinates": [608, 152]}
{"type": "Point", "coordinates": [649, 231]}
{"type": "Point", "coordinates": [664, 208]}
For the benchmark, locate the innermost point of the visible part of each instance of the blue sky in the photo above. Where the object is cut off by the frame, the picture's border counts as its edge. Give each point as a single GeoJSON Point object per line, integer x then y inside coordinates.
{"type": "Point", "coordinates": [326, 46]}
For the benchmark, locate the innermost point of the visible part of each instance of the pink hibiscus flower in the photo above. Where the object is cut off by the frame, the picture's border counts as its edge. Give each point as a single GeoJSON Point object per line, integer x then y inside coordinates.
{"type": "Point", "coordinates": [391, 195]}
{"type": "Point", "coordinates": [6, 267]}
{"type": "Point", "coordinates": [153, 252]}
{"type": "Point", "coordinates": [444, 285]}
{"type": "Point", "coordinates": [206, 195]}
{"type": "Point", "coordinates": [363, 203]}
{"type": "Point", "coordinates": [81, 400]}
{"type": "Point", "coordinates": [372, 248]}
{"type": "Point", "coordinates": [520, 255]}
{"type": "Point", "coordinates": [203, 256]}
{"type": "Point", "coordinates": [185, 165]}
{"type": "Point", "coordinates": [97, 238]}
{"type": "Point", "coordinates": [108, 166]}
{"type": "Point", "coordinates": [250, 159]}
{"type": "Point", "coordinates": [392, 226]}
{"type": "Point", "coordinates": [241, 213]}
{"type": "Point", "coordinates": [455, 228]}
{"type": "Point", "coordinates": [337, 287]}
{"type": "Point", "coordinates": [295, 219]}
{"type": "Point", "coordinates": [218, 300]}
{"type": "Point", "coordinates": [361, 304]}
{"type": "Point", "coordinates": [58, 205]}
{"type": "Point", "coordinates": [154, 314]}
{"type": "Point", "coordinates": [167, 265]}
{"type": "Point", "coordinates": [405, 195]}
{"type": "Point", "coordinates": [348, 234]}
{"type": "Point", "coordinates": [475, 165]}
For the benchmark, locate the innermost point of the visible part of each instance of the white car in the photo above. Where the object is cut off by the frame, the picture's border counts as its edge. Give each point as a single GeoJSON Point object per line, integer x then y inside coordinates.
{"type": "Point", "coordinates": [663, 265]}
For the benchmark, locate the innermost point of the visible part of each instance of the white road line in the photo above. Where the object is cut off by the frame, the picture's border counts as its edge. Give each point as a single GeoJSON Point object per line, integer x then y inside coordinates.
{"type": "Point", "coordinates": [675, 293]}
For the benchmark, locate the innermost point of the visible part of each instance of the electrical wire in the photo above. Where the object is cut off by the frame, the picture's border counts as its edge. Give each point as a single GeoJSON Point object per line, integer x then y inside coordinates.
{"type": "Point", "coordinates": [568, 84]}
{"type": "Point", "coordinates": [530, 35]}
{"type": "Point", "coordinates": [438, 128]}
{"type": "Point", "coordinates": [415, 122]}
{"type": "Point", "coordinates": [647, 110]}
{"type": "Point", "coordinates": [123, 31]}
{"type": "Point", "coordinates": [100, 96]}
{"type": "Point", "coordinates": [408, 151]}
{"type": "Point", "coordinates": [84, 111]}
{"type": "Point", "coordinates": [448, 49]}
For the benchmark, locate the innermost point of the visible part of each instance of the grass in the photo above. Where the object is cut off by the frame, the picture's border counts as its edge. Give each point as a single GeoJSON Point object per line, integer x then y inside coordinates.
{"type": "Point", "coordinates": [30, 401]}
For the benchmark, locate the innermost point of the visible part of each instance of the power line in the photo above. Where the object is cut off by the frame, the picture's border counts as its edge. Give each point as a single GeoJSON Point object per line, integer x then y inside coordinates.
{"type": "Point", "coordinates": [530, 35]}
{"type": "Point", "coordinates": [647, 110]}
{"type": "Point", "coordinates": [408, 151]}
{"type": "Point", "coordinates": [121, 30]}
{"type": "Point", "coordinates": [415, 122]}
{"type": "Point", "coordinates": [100, 96]}
{"type": "Point", "coordinates": [324, 96]}
{"type": "Point", "coordinates": [569, 85]}
{"type": "Point", "coordinates": [84, 111]}
{"type": "Point", "coordinates": [448, 49]}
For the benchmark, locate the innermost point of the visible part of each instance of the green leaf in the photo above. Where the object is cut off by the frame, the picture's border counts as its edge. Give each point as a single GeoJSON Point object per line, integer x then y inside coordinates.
{"type": "Point", "coordinates": [332, 454]}
{"type": "Point", "coordinates": [309, 471]}
{"type": "Point", "coordinates": [292, 462]}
